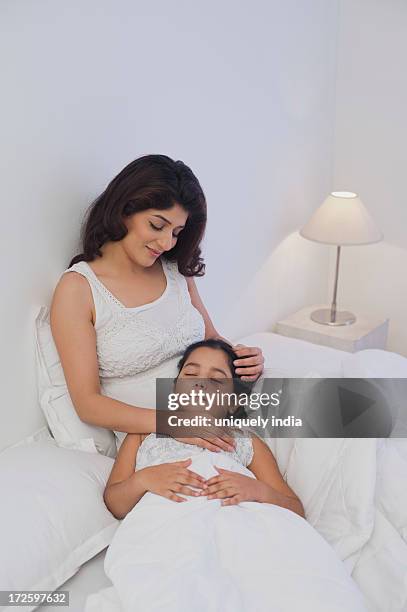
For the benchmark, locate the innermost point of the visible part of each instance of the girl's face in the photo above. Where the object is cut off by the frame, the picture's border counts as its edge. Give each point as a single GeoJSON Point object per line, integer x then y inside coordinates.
{"type": "Point", "coordinates": [207, 369]}
{"type": "Point", "coordinates": [151, 232]}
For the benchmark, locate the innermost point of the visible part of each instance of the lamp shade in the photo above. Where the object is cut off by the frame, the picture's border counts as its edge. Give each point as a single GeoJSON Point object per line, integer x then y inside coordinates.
{"type": "Point", "coordinates": [342, 219]}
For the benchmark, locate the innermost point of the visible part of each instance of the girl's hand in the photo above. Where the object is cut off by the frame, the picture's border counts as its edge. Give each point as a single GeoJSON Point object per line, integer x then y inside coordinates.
{"type": "Point", "coordinates": [168, 479]}
{"type": "Point", "coordinates": [250, 364]}
{"type": "Point", "coordinates": [233, 488]}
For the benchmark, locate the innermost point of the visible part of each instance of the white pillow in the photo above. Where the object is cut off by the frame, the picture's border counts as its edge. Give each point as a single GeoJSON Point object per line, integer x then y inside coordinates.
{"type": "Point", "coordinates": [297, 357]}
{"type": "Point", "coordinates": [374, 363]}
{"type": "Point", "coordinates": [52, 514]}
{"type": "Point", "coordinates": [66, 427]}
{"type": "Point", "coordinates": [335, 480]}
{"type": "Point", "coordinates": [285, 445]}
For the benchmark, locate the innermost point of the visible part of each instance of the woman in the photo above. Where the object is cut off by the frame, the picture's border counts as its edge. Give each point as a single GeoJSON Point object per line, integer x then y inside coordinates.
{"type": "Point", "coordinates": [129, 301]}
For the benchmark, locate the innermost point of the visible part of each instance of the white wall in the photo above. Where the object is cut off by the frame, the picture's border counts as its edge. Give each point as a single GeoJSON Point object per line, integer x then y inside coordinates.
{"type": "Point", "coordinates": [282, 162]}
{"type": "Point", "coordinates": [370, 155]}
{"type": "Point", "coordinates": [243, 93]}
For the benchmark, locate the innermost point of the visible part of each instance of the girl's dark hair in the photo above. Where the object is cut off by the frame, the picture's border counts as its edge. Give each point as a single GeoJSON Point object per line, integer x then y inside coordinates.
{"type": "Point", "coordinates": [239, 386]}
{"type": "Point", "coordinates": [151, 181]}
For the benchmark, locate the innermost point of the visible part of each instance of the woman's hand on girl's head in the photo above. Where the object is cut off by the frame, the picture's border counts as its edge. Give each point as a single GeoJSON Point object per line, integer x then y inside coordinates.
{"type": "Point", "coordinates": [249, 362]}
{"type": "Point", "coordinates": [169, 479]}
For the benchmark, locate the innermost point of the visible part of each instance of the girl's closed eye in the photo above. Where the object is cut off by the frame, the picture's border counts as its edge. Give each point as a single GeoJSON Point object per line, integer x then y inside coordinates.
{"type": "Point", "coordinates": [216, 380]}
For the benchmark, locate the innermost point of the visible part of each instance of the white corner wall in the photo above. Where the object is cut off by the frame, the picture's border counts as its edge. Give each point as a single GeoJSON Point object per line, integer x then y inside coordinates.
{"type": "Point", "coordinates": [243, 93]}
{"type": "Point", "coordinates": [370, 156]}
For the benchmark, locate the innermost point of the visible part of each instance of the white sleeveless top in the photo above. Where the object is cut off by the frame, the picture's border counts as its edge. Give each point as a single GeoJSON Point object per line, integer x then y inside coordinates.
{"type": "Point", "coordinates": [154, 450]}
{"type": "Point", "coordinates": [133, 340]}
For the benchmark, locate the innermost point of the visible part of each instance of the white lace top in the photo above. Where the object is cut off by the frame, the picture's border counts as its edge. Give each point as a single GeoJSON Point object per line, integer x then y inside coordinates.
{"type": "Point", "coordinates": [154, 451]}
{"type": "Point", "coordinates": [133, 340]}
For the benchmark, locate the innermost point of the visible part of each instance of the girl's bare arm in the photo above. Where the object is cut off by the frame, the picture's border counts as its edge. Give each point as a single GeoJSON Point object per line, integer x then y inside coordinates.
{"type": "Point", "coordinates": [124, 488]}
{"type": "Point", "coordinates": [274, 490]}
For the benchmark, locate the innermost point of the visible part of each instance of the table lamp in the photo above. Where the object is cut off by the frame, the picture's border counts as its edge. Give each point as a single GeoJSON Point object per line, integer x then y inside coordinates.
{"type": "Point", "coordinates": [342, 220]}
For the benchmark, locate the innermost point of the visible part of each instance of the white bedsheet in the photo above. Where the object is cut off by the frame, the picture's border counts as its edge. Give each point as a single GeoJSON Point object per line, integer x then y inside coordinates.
{"type": "Point", "coordinates": [197, 554]}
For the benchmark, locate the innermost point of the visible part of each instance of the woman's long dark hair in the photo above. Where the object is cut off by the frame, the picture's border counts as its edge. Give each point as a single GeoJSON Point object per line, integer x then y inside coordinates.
{"type": "Point", "coordinates": [151, 181]}
{"type": "Point", "coordinates": [239, 386]}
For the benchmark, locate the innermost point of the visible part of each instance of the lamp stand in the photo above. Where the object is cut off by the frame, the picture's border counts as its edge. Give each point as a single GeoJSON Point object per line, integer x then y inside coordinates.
{"type": "Point", "coordinates": [331, 316]}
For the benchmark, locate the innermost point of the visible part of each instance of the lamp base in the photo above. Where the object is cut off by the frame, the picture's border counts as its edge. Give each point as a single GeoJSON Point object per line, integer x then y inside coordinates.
{"type": "Point", "coordinates": [324, 315]}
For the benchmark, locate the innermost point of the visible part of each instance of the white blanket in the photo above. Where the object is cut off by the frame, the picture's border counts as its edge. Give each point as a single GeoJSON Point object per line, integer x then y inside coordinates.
{"type": "Point", "coordinates": [197, 554]}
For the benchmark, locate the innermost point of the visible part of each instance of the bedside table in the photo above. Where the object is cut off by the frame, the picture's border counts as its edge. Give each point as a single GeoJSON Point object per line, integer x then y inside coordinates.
{"type": "Point", "coordinates": [365, 333]}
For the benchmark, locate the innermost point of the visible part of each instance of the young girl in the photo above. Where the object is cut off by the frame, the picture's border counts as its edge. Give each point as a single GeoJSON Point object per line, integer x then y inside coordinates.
{"type": "Point", "coordinates": [222, 550]}
{"type": "Point", "coordinates": [161, 466]}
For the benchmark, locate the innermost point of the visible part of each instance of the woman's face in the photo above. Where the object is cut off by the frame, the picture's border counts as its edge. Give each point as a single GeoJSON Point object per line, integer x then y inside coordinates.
{"type": "Point", "coordinates": [151, 232]}
{"type": "Point", "coordinates": [207, 369]}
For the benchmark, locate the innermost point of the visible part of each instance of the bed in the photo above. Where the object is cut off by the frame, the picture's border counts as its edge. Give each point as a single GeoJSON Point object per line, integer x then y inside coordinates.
{"type": "Point", "coordinates": [375, 552]}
